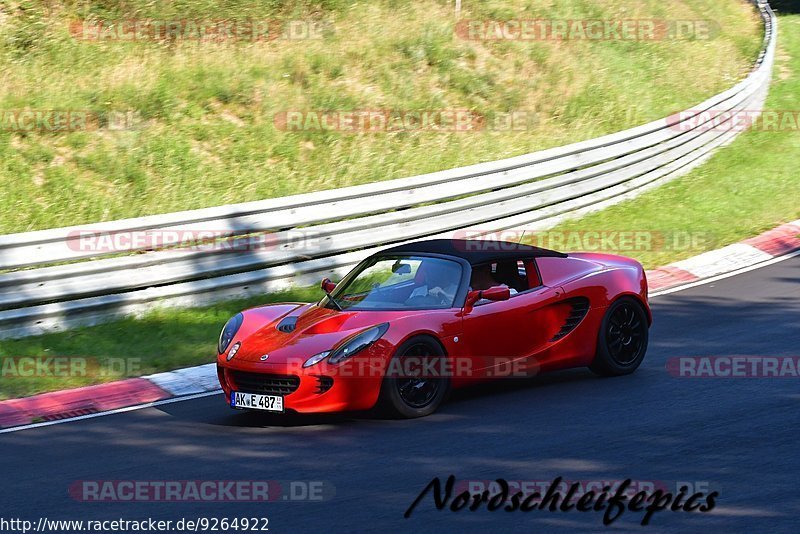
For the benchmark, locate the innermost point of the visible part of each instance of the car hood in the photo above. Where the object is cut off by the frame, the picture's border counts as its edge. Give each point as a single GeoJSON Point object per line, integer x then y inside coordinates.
{"type": "Point", "coordinates": [296, 332]}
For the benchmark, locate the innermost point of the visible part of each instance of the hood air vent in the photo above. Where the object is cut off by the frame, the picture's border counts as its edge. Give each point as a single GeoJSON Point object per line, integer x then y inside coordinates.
{"type": "Point", "coordinates": [287, 325]}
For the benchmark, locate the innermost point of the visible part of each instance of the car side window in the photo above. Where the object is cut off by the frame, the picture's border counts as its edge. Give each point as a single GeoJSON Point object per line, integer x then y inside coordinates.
{"type": "Point", "coordinates": [532, 274]}
{"type": "Point", "coordinates": [519, 275]}
{"type": "Point", "coordinates": [511, 273]}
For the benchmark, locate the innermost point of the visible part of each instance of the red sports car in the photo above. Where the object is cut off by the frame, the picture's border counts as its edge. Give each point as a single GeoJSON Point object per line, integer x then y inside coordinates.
{"type": "Point", "coordinates": [411, 322]}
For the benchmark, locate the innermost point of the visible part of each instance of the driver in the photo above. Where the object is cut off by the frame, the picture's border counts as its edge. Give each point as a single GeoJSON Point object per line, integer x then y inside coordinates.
{"type": "Point", "coordinates": [482, 278]}
{"type": "Point", "coordinates": [439, 284]}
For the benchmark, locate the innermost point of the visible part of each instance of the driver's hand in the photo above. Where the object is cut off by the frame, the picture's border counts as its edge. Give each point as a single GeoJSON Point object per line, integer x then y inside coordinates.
{"type": "Point", "coordinates": [438, 292]}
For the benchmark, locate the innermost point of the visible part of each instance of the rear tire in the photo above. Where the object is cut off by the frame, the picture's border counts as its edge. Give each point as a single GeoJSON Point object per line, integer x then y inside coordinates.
{"type": "Point", "coordinates": [405, 394]}
{"type": "Point", "coordinates": [622, 339]}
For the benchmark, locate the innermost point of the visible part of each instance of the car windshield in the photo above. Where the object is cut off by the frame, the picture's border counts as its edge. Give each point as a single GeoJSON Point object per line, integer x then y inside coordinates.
{"type": "Point", "coordinates": [398, 283]}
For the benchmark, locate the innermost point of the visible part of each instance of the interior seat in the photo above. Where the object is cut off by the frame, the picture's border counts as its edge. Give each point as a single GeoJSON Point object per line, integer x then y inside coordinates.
{"type": "Point", "coordinates": [507, 273]}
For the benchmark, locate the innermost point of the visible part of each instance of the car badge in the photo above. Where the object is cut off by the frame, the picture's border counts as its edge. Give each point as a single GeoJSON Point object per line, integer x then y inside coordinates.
{"type": "Point", "coordinates": [264, 357]}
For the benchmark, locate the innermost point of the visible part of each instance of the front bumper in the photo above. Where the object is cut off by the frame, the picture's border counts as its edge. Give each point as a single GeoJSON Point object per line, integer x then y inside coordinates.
{"type": "Point", "coordinates": [316, 389]}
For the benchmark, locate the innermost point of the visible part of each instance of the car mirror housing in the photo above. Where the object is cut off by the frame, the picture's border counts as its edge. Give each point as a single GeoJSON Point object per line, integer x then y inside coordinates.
{"type": "Point", "coordinates": [327, 286]}
{"type": "Point", "coordinates": [401, 268]}
{"type": "Point", "coordinates": [495, 293]}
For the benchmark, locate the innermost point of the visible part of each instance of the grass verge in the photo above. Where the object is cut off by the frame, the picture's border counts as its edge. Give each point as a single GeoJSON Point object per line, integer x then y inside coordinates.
{"type": "Point", "coordinates": [204, 131]}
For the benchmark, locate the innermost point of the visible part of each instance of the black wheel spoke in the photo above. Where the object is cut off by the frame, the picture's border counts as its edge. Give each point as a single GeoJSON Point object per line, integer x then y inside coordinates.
{"type": "Point", "coordinates": [418, 391]}
{"type": "Point", "coordinates": [625, 334]}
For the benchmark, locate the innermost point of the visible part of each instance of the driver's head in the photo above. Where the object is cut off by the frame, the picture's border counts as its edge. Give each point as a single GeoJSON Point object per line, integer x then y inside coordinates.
{"type": "Point", "coordinates": [482, 277]}
{"type": "Point", "coordinates": [438, 276]}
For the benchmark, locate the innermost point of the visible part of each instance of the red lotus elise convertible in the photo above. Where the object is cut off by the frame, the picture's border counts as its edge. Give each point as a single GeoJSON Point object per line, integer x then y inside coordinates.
{"type": "Point", "coordinates": [411, 322]}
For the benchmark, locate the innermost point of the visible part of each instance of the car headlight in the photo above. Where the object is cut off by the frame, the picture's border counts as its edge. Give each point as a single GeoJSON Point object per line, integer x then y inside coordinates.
{"type": "Point", "coordinates": [316, 358]}
{"type": "Point", "coordinates": [233, 351]}
{"type": "Point", "coordinates": [358, 343]}
{"type": "Point", "coordinates": [229, 331]}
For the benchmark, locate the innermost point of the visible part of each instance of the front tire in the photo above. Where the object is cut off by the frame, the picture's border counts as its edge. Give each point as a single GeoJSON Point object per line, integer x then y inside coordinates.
{"type": "Point", "coordinates": [415, 383]}
{"type": "Point", "coordinates": [622, 339]}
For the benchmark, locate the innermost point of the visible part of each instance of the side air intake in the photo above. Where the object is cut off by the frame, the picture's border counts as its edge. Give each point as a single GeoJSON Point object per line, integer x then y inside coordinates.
{"type": "Point", "coordinates": [580, 307]}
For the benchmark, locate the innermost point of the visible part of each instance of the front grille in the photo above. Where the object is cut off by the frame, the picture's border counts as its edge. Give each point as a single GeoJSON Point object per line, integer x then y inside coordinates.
{"type": "Point", "coordinates": [263, 383]}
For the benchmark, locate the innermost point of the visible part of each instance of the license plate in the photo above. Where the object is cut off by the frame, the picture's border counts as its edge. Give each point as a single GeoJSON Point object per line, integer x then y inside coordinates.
{"type": "Point", "coordinates": [255, 401]}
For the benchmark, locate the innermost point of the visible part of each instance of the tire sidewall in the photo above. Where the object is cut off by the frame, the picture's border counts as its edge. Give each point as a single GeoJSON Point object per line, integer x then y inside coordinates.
{"type": "Point", "coordinates": [390, 401]}
{"type": "Point", "coordinates": [604, 363]}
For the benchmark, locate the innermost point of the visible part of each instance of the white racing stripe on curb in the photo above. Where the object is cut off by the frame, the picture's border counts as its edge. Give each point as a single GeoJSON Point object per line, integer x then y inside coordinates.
{"type": "Point", "coordinates": [174, 383]}
{"type": "Point", "coordinates": [187, 381]}
{"type": "Point", "coordinates": [205, 376]}
{"type": "Point", "coordinates": [722, 260]}
{"type": "Point", "coordinates": [722, 276]}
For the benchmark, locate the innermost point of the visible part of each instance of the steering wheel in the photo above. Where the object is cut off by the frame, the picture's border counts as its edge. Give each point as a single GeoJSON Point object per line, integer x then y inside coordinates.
{"type": "Point", "coordinates": [439, 298]}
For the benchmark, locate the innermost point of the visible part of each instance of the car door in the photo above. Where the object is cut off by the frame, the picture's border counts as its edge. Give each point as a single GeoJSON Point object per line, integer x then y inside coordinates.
{"type": "Point", "coordinates": [502, 338]}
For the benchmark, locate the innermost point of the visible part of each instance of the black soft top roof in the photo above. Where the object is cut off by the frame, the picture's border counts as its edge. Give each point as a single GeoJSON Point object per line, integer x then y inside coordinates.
{"type": "Point", "coordinates": [476, 251]}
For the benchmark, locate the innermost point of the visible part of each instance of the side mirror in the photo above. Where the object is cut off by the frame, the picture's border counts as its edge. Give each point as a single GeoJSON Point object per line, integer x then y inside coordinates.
{"type": "Point", "coordinates": [327, 286]}
{"type": "Point", "coordinates": [495, 293]}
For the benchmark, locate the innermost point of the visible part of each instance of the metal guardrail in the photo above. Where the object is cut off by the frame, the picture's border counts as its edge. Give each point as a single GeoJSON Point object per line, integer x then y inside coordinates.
{"type": "Point", "coordinates": [350, 223]}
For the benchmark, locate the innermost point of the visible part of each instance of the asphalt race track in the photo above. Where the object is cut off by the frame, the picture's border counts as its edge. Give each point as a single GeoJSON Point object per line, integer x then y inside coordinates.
{"type": "Point", "coordinates": [736, 436]}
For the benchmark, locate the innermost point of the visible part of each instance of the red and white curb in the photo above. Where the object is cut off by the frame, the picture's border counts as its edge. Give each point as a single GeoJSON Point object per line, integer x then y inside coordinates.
{"type": "Point", "coordinates": [188, 381]}
{"type": "Point", "coordinates": [201, 381]}
{"type": "Point", "coordinates": [749, 253]}
{"type": "Point", "coordinates": [112, 397]}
